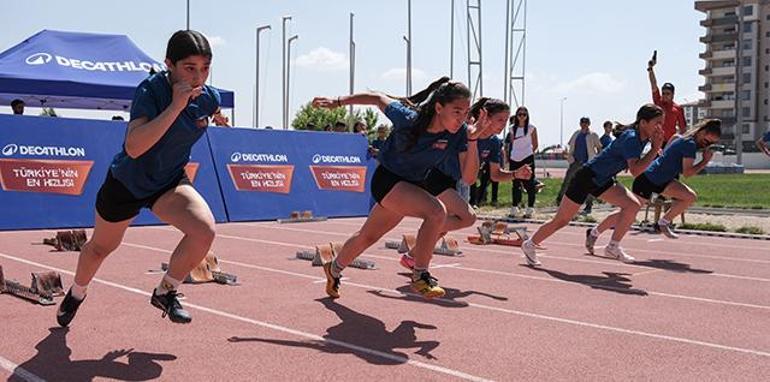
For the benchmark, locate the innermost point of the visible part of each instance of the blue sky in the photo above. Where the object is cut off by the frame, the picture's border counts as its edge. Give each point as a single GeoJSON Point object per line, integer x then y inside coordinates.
{"type": "Point", "coordinates": [592, 52]}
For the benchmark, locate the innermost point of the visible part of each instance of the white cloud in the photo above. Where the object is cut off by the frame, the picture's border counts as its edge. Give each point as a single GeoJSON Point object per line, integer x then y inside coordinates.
{"type": "Point", "coordinates": [592, 83]}
{"type": "Point", "coordinates": [323, 59]}
{"type": "Point", "coordinates": [215, 41]}
{"type": "Point", "coordinates": [400, 74]}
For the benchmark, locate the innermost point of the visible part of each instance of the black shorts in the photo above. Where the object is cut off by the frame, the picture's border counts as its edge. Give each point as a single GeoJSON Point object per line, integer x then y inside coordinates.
{"type": "Point", "coordinates": [645, 188]}
{"type": "Point", "coordinates": [583, 184]}
{"type": "Point", "coordinates": [384, 180]}
{"type": "Point", "coordinates": [115, 203]}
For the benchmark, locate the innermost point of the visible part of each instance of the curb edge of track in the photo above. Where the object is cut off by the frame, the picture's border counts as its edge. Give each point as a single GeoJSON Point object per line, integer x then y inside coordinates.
{"type": "Point", "coordinates": [635, 227]}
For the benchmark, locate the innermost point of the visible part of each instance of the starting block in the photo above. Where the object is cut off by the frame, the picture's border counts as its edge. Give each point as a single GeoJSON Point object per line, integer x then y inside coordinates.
{"type": "Point", "coordinates": [499, 233]}
{"type": "Point", "coordinates": [207, 271]}
{"type": "Point", "coordinates": [325, 253]}
{"type": "Point", "coordinates": [68, 240]}
{"type": "Point", "coordinates": [447, 246]}
{"type": "Point", "coordinates": [45, 286]}
{"type": "Point", "coordinates": [303, 217]}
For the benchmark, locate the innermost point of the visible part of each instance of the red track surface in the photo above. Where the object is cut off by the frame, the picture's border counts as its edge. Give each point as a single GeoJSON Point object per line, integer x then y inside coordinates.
{"type": "Point", "coordinates": [696, 308]}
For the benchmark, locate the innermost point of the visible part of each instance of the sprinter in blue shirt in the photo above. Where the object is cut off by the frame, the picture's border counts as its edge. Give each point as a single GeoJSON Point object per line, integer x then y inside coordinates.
{"type": "Point", "coordinates": [169, 113]}
{"type": "Point", "coordinates": [597, 178]}
{"type": "Point", "coordinates": [662, 177]}
{"type": "Point", "coordinates": [420, 140]}
{"type": "Point", "coordinates": [441, 180]}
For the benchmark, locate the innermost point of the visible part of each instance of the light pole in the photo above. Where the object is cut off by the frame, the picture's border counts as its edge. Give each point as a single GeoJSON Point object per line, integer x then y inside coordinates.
{"type": "Point", "coordinates": [188, 15]}
{"type": "Point", "coordinates": [256, 77]}
{"type": "Point", "coordinates": [283, 69]}
{"type": "Point", "coordinates": [561, 123]}
{"type": "Point", "coordinates": [352, 46]}
{"type": "Point", "coordinates": [288, 77]}
{"type": "Point", "coordinates": [408, 39]}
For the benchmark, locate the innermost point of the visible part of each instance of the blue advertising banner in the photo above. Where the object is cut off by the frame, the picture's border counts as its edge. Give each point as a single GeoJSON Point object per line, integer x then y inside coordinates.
{"type": "Point", "coordinates": [267, 174]}
{"type": "Point", "coordinates": [51, 170]}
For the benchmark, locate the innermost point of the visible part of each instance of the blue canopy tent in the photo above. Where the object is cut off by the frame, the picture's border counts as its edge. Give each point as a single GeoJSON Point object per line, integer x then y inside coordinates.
{"type": "Point", "coordinates": [77, 71]}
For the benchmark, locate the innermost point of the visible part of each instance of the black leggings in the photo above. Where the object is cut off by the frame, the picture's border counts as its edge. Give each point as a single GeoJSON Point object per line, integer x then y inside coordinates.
{"type": "Point", "coordinates": [527, 184]}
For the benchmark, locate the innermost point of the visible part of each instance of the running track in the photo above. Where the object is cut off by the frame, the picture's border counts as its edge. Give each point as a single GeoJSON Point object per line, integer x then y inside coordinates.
{"type": "Point", "coordinates": [696, 308]}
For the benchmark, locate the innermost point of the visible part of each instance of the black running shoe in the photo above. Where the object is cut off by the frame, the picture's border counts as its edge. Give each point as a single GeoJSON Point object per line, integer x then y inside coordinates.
{"type": "Point", "coordinates": [69, 306]}
{"type": "Point", "coordinates": [169, 304]}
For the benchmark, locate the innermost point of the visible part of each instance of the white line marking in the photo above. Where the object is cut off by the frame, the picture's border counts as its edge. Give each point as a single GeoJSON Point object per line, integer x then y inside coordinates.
{"type": "Point", "coordinates": [299, 333]}
{"type": "Point", "coordinates": [17, 371]}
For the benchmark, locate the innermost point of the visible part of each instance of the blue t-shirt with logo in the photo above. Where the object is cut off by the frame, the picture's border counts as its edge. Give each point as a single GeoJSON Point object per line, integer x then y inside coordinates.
{"type": "Point", "coordinates": [412, 162]}
{"type": "Point", "coordinates": [164, 162]}
{"type": "Point", "coordinates": [766, 137]}
{"type": "Point", "coordinates": [489, 150]}
{"type": "Point", "coordinates": [614, 158]}
{"type": "Point", "coordinates": [669, 165]}
{"type": "Point", "coordinates": [605, 140]}
{"type": "Point", "coordinates": [581, 148]}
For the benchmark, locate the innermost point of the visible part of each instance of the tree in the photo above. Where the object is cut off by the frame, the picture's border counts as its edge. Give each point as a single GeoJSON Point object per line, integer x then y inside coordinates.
{"type": "Point", "coordinates": [318, 117]}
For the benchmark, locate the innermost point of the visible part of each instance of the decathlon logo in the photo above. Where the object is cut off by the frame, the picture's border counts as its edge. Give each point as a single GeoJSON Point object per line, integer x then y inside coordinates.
{"type": "Point", "coordinates": [10, 149]}
{"type": "Point", "coordinates": [93, 66]}
{"type": "Point", "coordinates": [39, 59]}
{"type": "Point", "coordinates": [258, 157]}
{"type": "Point", "coordinates": [60, 151]}
{"type": "Point", "coordinates": [348, 159]}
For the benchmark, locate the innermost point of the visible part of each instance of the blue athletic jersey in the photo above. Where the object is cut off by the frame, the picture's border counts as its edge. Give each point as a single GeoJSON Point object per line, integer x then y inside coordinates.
{"type": "Point", "coordinates": [605, 141]}
{"type": "Point", "coordinates": [669, 165]}
{"type": "Point", "coordinates": [766, 137]}
{"type": "Point", "coordinates": [581, 148]}
{"type": "Point", "coordinates": [412, 162]}
{"type": "Point", "coordinates": [489, 150]}
{"type": "Point", "coordinates": [163, 162]}
{"type": "Point", "coordinates": [614, 158]}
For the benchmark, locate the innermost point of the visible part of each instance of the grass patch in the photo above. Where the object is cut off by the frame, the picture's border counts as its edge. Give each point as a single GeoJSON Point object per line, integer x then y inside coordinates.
{"type": "Point", "coordinates": [704, 227]}
{"type": "Point", "coordinates": [751, 230]}
{"type": "Point", "coordinates": [718, 190]}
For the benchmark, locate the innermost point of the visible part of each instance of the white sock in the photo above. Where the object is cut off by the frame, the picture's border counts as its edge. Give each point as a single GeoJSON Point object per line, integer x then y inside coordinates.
{"type": "Point", "coordinates": [167, 284]}
{"type": "Point", "coordinates": [614, 244]}
{"type": "Point", "coordinates": [663, 221]}
{"type": "Point", "coordinates": [78, 291]}
{"type": "Point", "coordinates": [595, 232]}
{"type": "Point", "coordinates": [529, 243]}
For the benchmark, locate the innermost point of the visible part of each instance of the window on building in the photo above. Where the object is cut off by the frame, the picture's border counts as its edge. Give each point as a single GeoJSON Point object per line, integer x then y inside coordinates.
{"type": "Point", "coordinates": [746, 61]}
{"type": "Point", "coordinates": [745, 95]}
{"type": "Point", "coordinates": [748, 27]}
{"type": "Point", "coordinates": [748, 10]}
{"type": "Point", "coordinates": [748, 45]}
{"type": "Point", "coordinates": [766, 84]}
{"type": "Point", "coordinates": [746, 112]}
{"type": "Point", "coordinates": [746, 128]}
{"type": "Point", "coordinates": [746, 78]}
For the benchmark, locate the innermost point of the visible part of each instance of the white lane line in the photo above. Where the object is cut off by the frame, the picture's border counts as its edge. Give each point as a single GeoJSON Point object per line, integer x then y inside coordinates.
{"type": "Point", "coordinates": [275, 327]}
{"type": "Point", "coordinates": [559, 319]}
{"type": "Point", "coordinates": [17, 371]}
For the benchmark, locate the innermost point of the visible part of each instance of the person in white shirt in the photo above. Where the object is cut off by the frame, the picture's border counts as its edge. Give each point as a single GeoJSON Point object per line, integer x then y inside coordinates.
{"type": "Point", "coordinates": [520, 147]}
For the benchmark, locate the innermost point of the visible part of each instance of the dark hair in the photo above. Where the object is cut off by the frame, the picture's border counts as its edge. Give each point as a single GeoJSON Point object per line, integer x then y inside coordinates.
{"type": "Point", "coordinates": [16, 102]}
{"type": "Point", "coordinates": [445, 93]}
{"type": "Point", "coordinates": [186, 43]}
{"type": "Point", "coordinates": [414, 100]}
{"type": "Point", "coordinates": [607, 123]}
{"type": "Point", "coordinates": [117, 118]}
{"type": "Point", "coordinates": [668, 86]}
{"type": "Point", "coordinates": [515, 121]}
{"type": "Point", "coordinates": [491, 105]}
{"type": "Point", "coordinates": [710, 126]}
{"type": "Point", "coordinates": [646, 113]}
